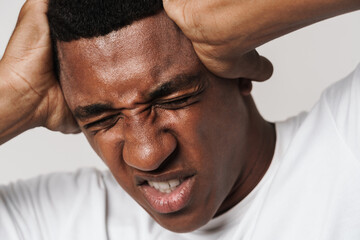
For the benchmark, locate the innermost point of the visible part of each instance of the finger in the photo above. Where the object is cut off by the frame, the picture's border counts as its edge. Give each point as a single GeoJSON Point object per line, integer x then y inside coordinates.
{"type": "Point", "coordinates": [174, 9]}
{"type": "Point", "coordinates": [70, 126]}
{"type": "Point", "coordinates": [71, 131]}
{"type": "Point", "coordinates": [36, 7]}
{"type": "Point", "coordinates": [250, 65]}
{"type": "Point", "coordinates": [74, 130]}
{"type": "Point", "coordinates": [253, 66]}
{"type": "Point", "coordinates": [30, 29]}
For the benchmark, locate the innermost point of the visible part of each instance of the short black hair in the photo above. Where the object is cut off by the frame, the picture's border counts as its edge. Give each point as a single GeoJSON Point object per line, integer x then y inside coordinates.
{"type": "Point", "coordinates": [74, 19]}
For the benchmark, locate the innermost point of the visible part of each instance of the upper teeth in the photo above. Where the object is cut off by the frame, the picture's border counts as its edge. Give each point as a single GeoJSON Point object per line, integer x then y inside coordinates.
{"type": "Point", "coordinates": [165, 187]}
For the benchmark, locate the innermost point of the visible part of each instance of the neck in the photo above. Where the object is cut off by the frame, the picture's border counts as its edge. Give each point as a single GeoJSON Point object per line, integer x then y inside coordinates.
{"type": "Point", "coordinates": [262, 139]}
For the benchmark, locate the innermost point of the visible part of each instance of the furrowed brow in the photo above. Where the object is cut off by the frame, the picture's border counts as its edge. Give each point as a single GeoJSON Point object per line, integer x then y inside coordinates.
{"type": "Point", "coordinates": [178, 83]}
{"type": "Point", "coordinates": [85, 112]}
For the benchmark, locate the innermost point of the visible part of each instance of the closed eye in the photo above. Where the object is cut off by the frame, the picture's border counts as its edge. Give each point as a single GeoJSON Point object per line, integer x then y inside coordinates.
{"type": "Point", "coordinates": [181, 101]}
{"type": "Point", "coordinates": [103, 124]}
{"type": "Point", "coordinates": [176, 103]}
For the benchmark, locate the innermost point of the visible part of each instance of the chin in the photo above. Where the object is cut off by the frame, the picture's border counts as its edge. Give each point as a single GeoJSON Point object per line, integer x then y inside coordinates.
{"type": "Point", "coordinates": [182, 227]}
{"type": "Point", "coordinates": [181, 222]}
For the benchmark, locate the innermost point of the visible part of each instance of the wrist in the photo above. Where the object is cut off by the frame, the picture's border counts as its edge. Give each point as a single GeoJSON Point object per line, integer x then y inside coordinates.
{"type": "Point", "coordinates": [272, 19]}
{"type": "Point", "coordinates": [18, 105]}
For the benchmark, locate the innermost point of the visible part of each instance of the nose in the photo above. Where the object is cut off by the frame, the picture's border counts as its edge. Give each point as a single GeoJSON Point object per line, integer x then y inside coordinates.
{"type": "Point", "coordinates": [146, 144]}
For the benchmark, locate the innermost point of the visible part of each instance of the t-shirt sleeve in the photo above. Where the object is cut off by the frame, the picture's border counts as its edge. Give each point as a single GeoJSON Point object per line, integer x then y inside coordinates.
{"type": "Point", "coordinates": [49, 207]}
{"type": "Point", "coordinates": [343, 100]}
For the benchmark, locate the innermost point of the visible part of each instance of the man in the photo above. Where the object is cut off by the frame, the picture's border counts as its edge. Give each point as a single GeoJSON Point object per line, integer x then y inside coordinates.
{"type": "Point", "coordinates": [187, 145]}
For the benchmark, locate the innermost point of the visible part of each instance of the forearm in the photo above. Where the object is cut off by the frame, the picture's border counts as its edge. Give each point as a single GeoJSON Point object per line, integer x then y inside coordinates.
{"type": "Point", "coordinates": [17, 106]}
{"type": "Point", "coordinates": [271, 19]}
{"type": "Point", "coordinates": [225, 33]}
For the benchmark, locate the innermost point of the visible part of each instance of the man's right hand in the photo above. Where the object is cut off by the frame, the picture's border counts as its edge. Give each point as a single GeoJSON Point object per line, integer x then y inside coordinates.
{"type": "Point", "coordinates": [30, 94]}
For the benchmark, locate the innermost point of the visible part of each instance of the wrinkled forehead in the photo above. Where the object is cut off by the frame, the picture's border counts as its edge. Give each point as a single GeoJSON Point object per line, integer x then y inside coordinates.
{"type": "Point", "coordinates": [150, 49]}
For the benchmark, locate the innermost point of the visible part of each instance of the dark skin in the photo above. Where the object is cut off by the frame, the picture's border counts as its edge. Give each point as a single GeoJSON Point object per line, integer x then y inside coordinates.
{"type": "Point", "coordinates": [150, 109]}
{"type": "Point", "coordinates": [119, 70]}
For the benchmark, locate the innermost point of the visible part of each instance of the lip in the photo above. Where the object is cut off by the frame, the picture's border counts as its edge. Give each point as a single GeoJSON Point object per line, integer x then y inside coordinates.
{"type": "Point", "coordinates": [172, 202]}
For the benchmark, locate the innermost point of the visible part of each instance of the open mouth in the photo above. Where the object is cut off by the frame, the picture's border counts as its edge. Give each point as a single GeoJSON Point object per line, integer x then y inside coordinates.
{"type": "Point", "coordinates": [170, 195]}
{"type": "Point", "coordinates": [165, 187]}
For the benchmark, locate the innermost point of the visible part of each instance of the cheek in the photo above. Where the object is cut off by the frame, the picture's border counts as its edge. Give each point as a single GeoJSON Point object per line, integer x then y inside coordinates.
{"type": "Point", "coordinates": [208, 131]}
{"type": "Point", "coordinates": [219, 123]}
{"type": "Point", "coordinates": [220, 139]}
{"type": "Point", "coordinates": [108, 148]}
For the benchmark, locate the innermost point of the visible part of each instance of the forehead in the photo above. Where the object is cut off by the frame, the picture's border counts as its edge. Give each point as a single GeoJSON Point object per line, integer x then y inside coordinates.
{"type": "Point", "coordinates": [125, 63]}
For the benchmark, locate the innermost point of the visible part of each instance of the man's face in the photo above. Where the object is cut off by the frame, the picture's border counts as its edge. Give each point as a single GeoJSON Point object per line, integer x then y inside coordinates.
{"type": "Point", "coordinates": [172, 134]}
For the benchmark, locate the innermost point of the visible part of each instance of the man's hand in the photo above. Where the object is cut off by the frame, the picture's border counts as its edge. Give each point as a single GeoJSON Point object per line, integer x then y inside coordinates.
{"type": "Point", "coordinates": [217, 34]}
{"type": "Point", "coordinates": [30, 95]}
{"type": "Point", "coordinates": [225, 32]}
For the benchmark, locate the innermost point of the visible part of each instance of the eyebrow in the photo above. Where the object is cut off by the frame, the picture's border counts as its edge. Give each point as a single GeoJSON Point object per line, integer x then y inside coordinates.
{"type": "Point", "coordinates": [177, 83]}
{"type": "Point", "coordinates": [85, 112]}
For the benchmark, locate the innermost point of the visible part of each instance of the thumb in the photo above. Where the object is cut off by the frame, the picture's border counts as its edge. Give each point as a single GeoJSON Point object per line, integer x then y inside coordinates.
{"type": "Point", "coordinates": [175, 10]}
{"type": "Point", "coordinates": [253, 66]}
{"type": "Point", "coordinates": [249, 65]}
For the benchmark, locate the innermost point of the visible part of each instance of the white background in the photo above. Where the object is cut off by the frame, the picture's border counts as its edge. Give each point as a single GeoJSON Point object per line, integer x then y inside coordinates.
{"type": "Point", "coordinates": [305, 62]}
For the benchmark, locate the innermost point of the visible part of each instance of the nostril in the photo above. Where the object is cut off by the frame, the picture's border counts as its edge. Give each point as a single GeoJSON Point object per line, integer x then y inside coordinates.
{"type": "Point", "coordinates": [150, 155]}
{"type": "Point", "coordinates": [168, 161]}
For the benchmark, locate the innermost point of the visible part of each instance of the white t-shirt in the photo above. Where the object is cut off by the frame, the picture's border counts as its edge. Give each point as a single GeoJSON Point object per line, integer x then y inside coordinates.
{"type": "Point", "coordinates": [310, 191]}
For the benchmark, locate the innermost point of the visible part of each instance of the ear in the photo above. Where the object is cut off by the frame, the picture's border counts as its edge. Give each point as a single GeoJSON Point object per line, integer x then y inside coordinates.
{"type": "Point", "coordinates": [245, 86]}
